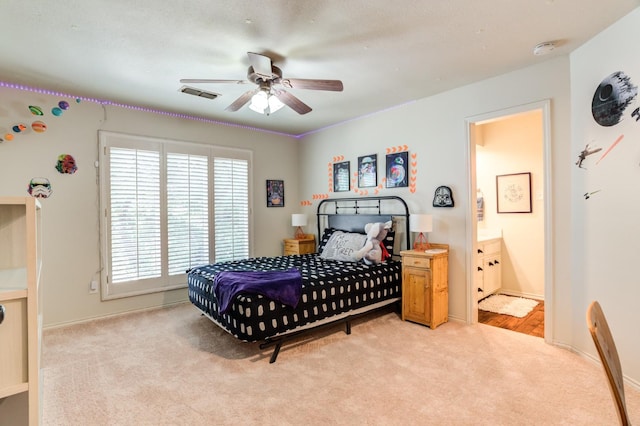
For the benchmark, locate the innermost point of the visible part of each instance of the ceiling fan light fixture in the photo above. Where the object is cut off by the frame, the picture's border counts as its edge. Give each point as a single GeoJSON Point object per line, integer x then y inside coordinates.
{"type": "Point", "coordinates": [268, 97]}
{"type": "Point", "coordinates": [256, 109]}
{"type": "Point", "coordinates": [259, 102]}
{"type": "Point", "coordinates": [264, 102]}
{"type": "Point", "coordinates": [274, 104]}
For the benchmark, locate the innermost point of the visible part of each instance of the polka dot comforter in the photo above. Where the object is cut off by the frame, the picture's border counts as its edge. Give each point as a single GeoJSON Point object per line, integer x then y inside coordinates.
{"type": "Point", "coordinates": [329, 288]}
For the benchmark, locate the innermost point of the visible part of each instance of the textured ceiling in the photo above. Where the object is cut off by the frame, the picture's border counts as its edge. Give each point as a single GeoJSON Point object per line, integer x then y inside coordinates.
{"type": "Point", "coordinates": [386, 53]}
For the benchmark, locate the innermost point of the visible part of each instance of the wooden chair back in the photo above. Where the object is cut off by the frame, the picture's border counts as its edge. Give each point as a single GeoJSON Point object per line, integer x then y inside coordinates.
{"type": "Point", "coordinates": [608, 353]}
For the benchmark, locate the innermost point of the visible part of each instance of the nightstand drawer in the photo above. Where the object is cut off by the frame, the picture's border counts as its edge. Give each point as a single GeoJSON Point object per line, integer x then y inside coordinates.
{"type": "Point", "coordinates": [420, 262]}
{"type": "Point", "coordinates": [292, 246]}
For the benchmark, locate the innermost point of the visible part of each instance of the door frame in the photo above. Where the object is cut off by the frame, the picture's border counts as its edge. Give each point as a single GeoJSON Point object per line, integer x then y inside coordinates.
{"type": "Point", "coordinates": [471, 223]}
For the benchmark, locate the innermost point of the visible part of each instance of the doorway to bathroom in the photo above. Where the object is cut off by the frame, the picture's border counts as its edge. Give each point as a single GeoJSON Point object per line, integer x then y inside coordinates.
{"type": "Point", "coordinates": [509, 158]}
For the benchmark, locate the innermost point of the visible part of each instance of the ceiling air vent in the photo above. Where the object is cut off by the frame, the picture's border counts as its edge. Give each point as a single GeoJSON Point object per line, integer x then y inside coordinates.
{"type": "Point", "coordinates": [197, 92]}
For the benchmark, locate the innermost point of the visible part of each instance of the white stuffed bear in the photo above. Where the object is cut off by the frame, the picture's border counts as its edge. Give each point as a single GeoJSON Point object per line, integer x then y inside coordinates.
{"type": "Point", "coordinates": [371, 252]}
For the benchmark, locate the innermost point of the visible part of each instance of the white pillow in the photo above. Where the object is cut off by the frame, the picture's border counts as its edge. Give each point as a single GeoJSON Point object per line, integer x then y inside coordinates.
{"type": "Point", "coordinates": [343, 246]}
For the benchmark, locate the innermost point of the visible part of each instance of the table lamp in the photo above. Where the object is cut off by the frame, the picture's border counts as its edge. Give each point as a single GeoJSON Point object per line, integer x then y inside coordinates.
{"type": "Point", "coordinates": [421, 223]}
{"type": "Point", "coordinates": [299, 220]}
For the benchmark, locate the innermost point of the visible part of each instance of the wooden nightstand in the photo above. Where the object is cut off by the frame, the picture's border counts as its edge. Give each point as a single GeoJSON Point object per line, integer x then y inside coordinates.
{"type": "Point", "coordinates": [425, 288]}
{"type": "Point", "coordinates": [293, 246]}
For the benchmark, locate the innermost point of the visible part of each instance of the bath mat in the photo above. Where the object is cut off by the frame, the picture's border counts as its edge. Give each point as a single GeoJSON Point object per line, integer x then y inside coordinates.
{"type": "Point", "coordinates": [508, 305]}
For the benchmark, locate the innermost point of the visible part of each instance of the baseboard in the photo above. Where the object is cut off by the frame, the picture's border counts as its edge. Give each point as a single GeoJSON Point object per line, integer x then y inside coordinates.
{"type": "Point", "coordinates": [114, 315]}
{"type": "Point", "coordinates": [596, 361]}
{"type": "Point", "coordinates": [454, 318]}
{"type": "Point", "coordinates": [521, 294]}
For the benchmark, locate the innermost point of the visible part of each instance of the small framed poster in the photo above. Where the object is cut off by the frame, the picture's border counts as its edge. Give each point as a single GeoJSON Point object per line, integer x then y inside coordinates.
{"type": "Point", "coordinates": [341, 177]}
{"type": "Point", "coordinates": [275, 193]}
{"type": "Point", "coordinates": [368, 171]}
{"type": "Point", "coordinates": [514, 193]}
{"type": "Point", "coordinates": [397, 170]}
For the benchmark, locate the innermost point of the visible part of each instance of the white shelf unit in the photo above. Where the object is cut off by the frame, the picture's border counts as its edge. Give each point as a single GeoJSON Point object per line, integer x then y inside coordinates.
{"type": "Point", "coordinates": [20, 329]}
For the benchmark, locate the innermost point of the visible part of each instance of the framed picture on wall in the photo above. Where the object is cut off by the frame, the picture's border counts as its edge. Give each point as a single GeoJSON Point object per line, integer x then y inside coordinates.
{"type": "Point", "coordinates": [341, 177]}
{"type": "Point", "coordinates": [275, 193]}
{"type": "Point", "coordinates": [514, 193]}
{"type": "Point", "coordinates": [368, 171]}
{"type": "Point", "coordinates": [397, 170]}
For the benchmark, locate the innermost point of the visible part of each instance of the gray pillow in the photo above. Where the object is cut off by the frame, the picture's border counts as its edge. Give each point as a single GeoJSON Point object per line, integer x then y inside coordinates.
{"type": "Point", "coordinates": [343, 246]}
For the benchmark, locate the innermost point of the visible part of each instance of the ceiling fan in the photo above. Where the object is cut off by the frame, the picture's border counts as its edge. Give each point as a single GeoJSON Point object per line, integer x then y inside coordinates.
{"type": "Point", "coordinates": [270, 95]}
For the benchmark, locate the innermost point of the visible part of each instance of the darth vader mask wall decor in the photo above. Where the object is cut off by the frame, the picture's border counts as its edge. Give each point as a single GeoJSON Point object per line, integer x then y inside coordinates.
{"type": "Point", "coordinates": [443, 197]}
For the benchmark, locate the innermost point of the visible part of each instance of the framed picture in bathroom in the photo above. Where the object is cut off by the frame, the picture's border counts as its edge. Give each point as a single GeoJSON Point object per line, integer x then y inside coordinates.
{"type": "Point", "coordinates": [513, 193]}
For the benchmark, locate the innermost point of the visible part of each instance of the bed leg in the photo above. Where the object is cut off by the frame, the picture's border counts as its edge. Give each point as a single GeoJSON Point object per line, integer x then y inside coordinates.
{"type": "Point", "coordinates": [276, 351]}
{"type": "Point", "coordinates": [348, 322]}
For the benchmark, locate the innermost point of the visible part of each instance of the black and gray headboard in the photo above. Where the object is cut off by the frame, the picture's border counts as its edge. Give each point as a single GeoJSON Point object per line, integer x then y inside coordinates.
{"type": "Point", "coordinates": [352, 214]}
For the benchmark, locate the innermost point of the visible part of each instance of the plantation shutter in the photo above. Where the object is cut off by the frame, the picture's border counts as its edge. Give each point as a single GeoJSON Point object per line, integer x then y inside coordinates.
{"type": "Point", "coordinates": [135, 214]}
{"type": "Point", "coordinates": [187, 211]}
{"type": "Point", "coordinates": [168, 206]}
{"type": "Point", "coordinates": [231, 213]}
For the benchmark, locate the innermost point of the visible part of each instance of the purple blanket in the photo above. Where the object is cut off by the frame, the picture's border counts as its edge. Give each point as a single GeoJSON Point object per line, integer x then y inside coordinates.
{"type": "Point", "coordinates": [283, 286]}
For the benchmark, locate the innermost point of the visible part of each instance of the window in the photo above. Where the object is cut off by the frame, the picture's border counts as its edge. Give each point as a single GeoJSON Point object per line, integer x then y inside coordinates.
{"type": "Point", "coordinates": [135, 214]}
{"type": "Point", "coordinates": [167, 207]}
{"type": "Point", "coordinates": [187, 211]}
{"type": "Point", "coordinates": [231, 189]}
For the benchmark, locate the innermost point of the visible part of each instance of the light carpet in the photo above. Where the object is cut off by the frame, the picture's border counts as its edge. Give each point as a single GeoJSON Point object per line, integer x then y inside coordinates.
{"type": "Point", "coordinates": [508, 305]}
{"type": "Point", "coordinates": [174, 367]}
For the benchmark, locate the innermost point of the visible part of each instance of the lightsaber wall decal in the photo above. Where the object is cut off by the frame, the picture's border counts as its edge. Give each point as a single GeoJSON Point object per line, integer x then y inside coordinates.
{"type": "Point", "coordinates": [613, 145]}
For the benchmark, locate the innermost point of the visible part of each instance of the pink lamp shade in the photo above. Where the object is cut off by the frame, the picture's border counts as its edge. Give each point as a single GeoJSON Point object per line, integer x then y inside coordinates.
{"type": "Point", "coordinates": [421, 223]}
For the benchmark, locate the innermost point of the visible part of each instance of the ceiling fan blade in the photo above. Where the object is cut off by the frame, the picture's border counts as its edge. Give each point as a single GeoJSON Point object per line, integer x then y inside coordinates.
{"type": "Point", "coordinates": [241, 101]}
{"type": "Point", "coordinates": [261, 65]}
{"type": "Point", "coordinates": [292, 102]}
{"type": "Point", "coordinates": [301, 83]}
{"type": "Point", "coordinates": [208, 80]}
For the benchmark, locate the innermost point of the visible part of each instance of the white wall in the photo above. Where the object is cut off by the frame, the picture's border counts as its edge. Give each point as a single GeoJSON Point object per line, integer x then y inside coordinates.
{"type": "Point", "coordinates": [514, 145]}
{"type": "Point", "coordinates": [435, 130]}
{"type": "Point", "coordinates": [606, 231]}
{"type": "Point", "coordinates": [71, 243]}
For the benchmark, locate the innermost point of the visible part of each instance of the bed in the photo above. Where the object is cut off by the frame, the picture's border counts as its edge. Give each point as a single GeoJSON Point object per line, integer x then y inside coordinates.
{"type": "Point", "coordinates": [330, 290]}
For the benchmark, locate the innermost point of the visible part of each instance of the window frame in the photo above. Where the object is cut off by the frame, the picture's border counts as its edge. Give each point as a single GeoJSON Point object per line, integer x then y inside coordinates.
{"type": "Point", "coordinates": [166, 282]}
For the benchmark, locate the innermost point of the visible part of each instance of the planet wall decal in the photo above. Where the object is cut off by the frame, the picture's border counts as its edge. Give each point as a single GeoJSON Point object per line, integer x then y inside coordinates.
{"type": "Point", "coordinates": [38, 126]}
{"type": "Point", "coordinates": [35, 110]}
